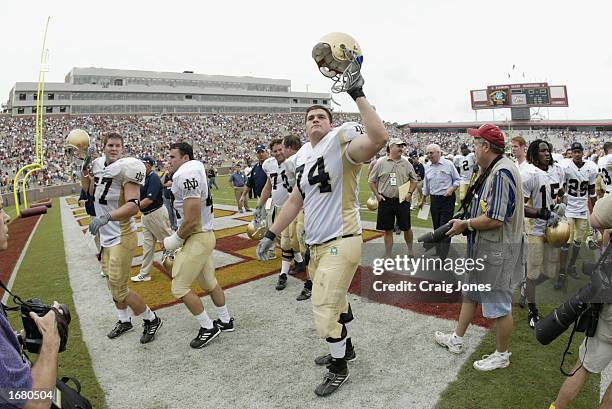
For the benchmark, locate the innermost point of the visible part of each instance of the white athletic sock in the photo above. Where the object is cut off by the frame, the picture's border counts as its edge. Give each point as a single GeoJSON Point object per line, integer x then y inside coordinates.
{"type": "Point", "coordinates": [148, 314]}
{"type": "Point", "coordinates": [337, 349]}
{"type": "Point", "coordinates": [348, 327]}
{"type": "Point", "coordinates": [297, 256]}
{"type": "Point", "coordinates": [224, 314]}
{"type": "Point", "coordinates": [204, 320]}
{"type": "Point", "coordinates": [124, 315]}
{"type": "Point", "coordinates": [285, 267]}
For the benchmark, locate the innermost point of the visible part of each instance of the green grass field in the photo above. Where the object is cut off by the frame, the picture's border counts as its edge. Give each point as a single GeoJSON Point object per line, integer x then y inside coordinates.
{"type": "Point", "coordinates": [532, 381]}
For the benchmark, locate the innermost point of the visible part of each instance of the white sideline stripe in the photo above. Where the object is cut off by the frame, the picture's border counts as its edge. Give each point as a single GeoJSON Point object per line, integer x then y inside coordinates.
{"type": "Point", "coordinates": [9, 285]}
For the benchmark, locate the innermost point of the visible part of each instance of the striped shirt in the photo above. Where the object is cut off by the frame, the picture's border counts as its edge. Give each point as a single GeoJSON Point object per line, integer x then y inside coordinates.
{"type": "Point", "coordinates": [499, 203]}
{"type": "Point", "coordinates": [439, 177]}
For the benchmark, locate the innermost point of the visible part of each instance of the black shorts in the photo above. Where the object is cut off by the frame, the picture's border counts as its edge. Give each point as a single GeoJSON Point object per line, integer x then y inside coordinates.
{"type": "Point", "coordinates": [390, 210]}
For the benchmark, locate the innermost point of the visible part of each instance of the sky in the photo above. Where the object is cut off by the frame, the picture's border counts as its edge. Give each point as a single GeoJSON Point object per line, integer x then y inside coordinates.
{"type": "Point", "coordinates": [421, 58]}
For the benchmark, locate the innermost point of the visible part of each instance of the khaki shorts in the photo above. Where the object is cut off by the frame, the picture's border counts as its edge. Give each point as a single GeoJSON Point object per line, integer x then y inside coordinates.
{"type": "Point", "coordinates": [288, 238]}
{"type": "Point", "coordinates": [597, 356]}
{"type": "Point", "coordinates": [578, 229]}
{"type": "Point", "coordinates": [332, 268]}
{"type": "Point", "coordinates": [194, 261]}
{"type": "Point", "coordinates": [117, 264]}
{"type": "Point", "coordinates": [542, 258]}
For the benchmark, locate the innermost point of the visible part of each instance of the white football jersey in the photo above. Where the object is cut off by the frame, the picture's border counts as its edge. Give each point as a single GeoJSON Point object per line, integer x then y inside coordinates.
{"type": "Point", "coordinates": [295, 164]}
{"type": "Point", "coordinates": [330, 188]}
{"type": "Point", "coordinates": [542, 189]}
{"type": "Point", "coordinates": [466, 165]}
{"type": "Point", "coordinates": [278, 178]}
{"type": "Point", "coordinates": [605, 170]}
{"type": "Point", "coordinates": [578, 180]}
{"type": "Point", "coordinates": [190, 181]}
{"type": "Point", "coordinates": [108, 193]}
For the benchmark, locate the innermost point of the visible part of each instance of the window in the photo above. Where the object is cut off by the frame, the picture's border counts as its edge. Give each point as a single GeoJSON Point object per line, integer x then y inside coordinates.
{"type": "Point", "coordinates": [20, 110]}
{"type": "Point", "coordinates": [325, 102]}
{"type": "Point", "coordinates": [33, 110]}
{"type": "Point", "coordinates": [295, 101]}
{"type": "Point", "coordinates": [49, 110]}
{"type": "Point", "coordinates": [62, 109]}
{"type": "Point", "coordinates": [188, 96]}
{"type": "Point", "coordinates": [315, 101]}
{"type": "Point", "coordinates": [22, 97]}
{"type": "Point", "coordinates": [50, 97]}
{"type": "Point", "coordinates": [118, 82]}
{"type": "Point", "coordinates": [35, 97]}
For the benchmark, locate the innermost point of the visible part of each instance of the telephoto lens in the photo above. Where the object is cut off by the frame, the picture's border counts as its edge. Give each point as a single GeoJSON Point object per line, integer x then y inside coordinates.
{"type": "Point", "coordinates": [429, 239]}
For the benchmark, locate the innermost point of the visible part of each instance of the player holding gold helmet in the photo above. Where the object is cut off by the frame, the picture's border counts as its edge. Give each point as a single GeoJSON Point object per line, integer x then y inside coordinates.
{"type": "Point", "coordinates": [196, 240]}
{"type": "Point", "coordinates": [115, 183]}
{"type": "Point", "coordinates": [328, 189]}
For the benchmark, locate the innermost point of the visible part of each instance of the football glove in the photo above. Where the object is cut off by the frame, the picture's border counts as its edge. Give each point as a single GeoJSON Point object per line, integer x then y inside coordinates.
{"type": "Point", "coordinates": [98, 222]}
{"type": "Point", "coordinates": [173, 242]}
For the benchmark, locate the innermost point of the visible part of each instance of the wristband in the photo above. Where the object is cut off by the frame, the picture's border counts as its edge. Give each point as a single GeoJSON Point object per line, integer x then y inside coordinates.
{"type": "Point", "coordinates": [356, 93]}
{"type": "Point", "coordinates": [270, 235]}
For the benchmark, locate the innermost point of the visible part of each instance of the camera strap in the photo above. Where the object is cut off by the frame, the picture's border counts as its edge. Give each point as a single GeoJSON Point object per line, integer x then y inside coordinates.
{"type": "Point", "coordinates": [16, 299]}
{"type": "Point", "coordinates": [566, 352]}
{"type": "Point", "coordinates": [466, 203]}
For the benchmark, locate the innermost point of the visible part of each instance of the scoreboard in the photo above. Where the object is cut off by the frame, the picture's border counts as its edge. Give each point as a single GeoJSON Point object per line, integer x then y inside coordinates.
{"type": "Point", "coordinates": [520, 96]}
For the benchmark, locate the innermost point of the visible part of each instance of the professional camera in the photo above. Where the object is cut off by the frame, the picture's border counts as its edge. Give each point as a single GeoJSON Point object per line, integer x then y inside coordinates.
{"type": "Point", "coordinates": [583, 308]}
{"type": "Point", "coordinates": [430, 239]}
{"type": "Point", "coordinates": [33, 338]}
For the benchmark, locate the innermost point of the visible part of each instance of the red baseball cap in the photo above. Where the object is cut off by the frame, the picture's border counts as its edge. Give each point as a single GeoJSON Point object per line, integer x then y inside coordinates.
{"type": "Point", "coordinates": [490, 133]}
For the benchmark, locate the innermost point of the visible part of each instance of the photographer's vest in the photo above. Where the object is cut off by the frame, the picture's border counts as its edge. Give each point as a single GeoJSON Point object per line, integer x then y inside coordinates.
{"type": "Point", "coordinates": [504, 248]}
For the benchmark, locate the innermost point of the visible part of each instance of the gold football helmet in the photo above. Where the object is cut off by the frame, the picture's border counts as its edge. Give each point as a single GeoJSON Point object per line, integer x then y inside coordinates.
{"type": "Point", "coordinates": [557, 236]}
{"type": "Point", "coordinates": [168, 260]}
{"type": "Point", "coordinates": [77, 143]}
{"type": "Point", "coordinates": [255, 230]}
{"type": "Point", "coordinates": [339, 57]}
{"type": "Point", "coordinates": [372, 203]}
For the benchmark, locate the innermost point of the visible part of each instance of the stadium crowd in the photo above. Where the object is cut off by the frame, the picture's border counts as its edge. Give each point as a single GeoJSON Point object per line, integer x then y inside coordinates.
{"type": "Point", "coordinates": [221, 140]}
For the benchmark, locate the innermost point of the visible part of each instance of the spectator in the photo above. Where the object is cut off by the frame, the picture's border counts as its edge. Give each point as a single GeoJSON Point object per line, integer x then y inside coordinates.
{"type": "Point", "coordinates": [238, 181]}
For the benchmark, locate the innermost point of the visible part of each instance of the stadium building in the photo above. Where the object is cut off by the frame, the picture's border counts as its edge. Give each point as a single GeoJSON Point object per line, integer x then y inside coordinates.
{"type": "Point", "coordinates": [111, 91]}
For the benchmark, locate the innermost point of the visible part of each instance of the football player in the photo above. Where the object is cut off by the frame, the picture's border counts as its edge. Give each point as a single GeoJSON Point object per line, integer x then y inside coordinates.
{"type": "Point", "coordinates": [116, 188]}
{"type": "Point", "coordinates": [328, 189]}
{"type": "Point", "coordinates": [278, 187]}
{"type": "Point", "coordinates": [196, 240]}
{"type": "Point", "coordinates": [580, 185]}
{"type": "Point", "coordinates": [465, 163]}
{"type": "Point", "coordinates": [605, 174]}
{"type": "Point", "coordinates": [297, 156]}
{"type": "Point", "coordinates": [542, 186]}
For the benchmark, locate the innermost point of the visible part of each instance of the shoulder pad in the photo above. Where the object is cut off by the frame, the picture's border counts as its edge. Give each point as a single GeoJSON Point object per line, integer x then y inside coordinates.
{"type": "Point", "coordinates": [133, 170]}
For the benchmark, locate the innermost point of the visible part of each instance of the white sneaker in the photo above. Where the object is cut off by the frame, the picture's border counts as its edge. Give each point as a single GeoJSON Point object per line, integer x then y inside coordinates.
{"type": "Point", "coordinates": [446, 340]}
{"type": "Point", "coordinates": [494, 361]}
{"type": "Point", "coordinates": [141, 277]}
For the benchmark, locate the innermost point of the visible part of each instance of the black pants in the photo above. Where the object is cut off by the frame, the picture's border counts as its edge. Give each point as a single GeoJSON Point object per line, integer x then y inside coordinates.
{"type": "Point", "coordinates": [442, 209]}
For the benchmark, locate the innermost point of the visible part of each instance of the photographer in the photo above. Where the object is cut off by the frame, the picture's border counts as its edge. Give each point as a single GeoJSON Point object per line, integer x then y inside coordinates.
{"type": "Point", "coordinates": [598, 355]}
{"type": "Point", "coordinates": [496, 222]}
{"type": "Point", "coordinates": [15, 371]}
